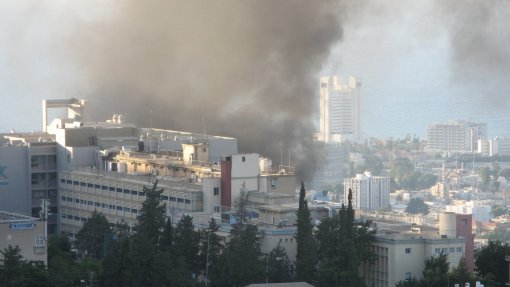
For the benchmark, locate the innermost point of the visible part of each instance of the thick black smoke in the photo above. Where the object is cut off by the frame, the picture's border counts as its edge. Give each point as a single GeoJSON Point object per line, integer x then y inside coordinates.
{"type": "Point", "coordinates": [246, 69]}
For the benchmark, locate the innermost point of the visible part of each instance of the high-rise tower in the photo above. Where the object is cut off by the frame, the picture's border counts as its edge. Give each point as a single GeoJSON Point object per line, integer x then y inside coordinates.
{"type": "Point", "coordinates": [339, 109]}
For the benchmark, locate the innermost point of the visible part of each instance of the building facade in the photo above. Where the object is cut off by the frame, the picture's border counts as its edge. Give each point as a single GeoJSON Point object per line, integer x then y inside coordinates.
{"type": "Point", "coordinates": [368, 192]}
{"type": "Point", "coordinates": [455, 136]}
{"type": "Point", "coordinates": [28, 175]}
{"type": "Point", "coordinates": [339, 109]}
{"type": "Point", "coordinates": [402, 256]}
{"type": "Point", "coordinates": [28, 233]}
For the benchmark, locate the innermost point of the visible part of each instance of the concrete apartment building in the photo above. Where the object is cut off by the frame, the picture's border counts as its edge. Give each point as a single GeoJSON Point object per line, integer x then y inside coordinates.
{"type": "Point", "coordinates": [28, 233]}
{"type": "Point", "coordinates": [28, 174]}
{"type": "Point", "coordinates": [455, 136]}
{"type": "Point", "coordinates": [401, 254]}
{"type": "Point", "coordinates": [368, 192]}
{"type": "Point", "coordinates": [497, 146]}
{"type": "Point", "coordinates": [339, 109]}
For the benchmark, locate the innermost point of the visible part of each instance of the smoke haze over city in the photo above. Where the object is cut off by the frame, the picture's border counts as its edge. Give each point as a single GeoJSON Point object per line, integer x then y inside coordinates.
{"type": "Point", "coordinates": [250, 69]}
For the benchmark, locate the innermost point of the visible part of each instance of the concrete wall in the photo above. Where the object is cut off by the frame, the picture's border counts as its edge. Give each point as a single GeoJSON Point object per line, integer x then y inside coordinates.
{"type": "Point", "coordinates": [15, 181]}
{"type": "Point", "coordinates": [210, 199]}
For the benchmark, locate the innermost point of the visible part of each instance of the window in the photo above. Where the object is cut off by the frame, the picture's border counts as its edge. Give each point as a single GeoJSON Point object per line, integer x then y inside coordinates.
{"type": "Point", "coordinates": [141, 193]}
{"type": "Point", "coordinates": [273, 183]}
{"type": "Point", "coordinates": [90, 203]}
{"type": "Point", "coordinates": [119, 208]}
{"type": "Point", "coordinates": [134, 210]}
{"type": "Point", "coordinates": [408, 276]}
{"type": "Point", "coordinates": [244, 159]}
{"type": "Point", "coordinates": [172, 198]}
{"type": "Point", "coordinates": [119, 190]}
{"type": "Point", "coordinates": [187, 201]}
{"type": "Point", "coordinates": [69, 181]}
{"type": "Point", "coordinates": [180, 200]}
{"type": "Point", "coordinates": [444, 250]}
{"type": "Point", "coordinates": [452, 249]}
{"type": "Point", "coordinates": [164, 197]}
{"type": "Point", "coordinates": [204, 149]}
{"type": "Point", "coordinates": [97, 186]}
{"type": "Point", "coordinates": [437, 250]}
{"type": "Point", "coordinates": [83, 183]}
{"type": "Point", "coordinates": [39, 240]}
{"type": "Point", "coordinates": [112, 188]}
{"type": "Point", "coordinates": [216, 209]}
{"type": "Point", "coordinates": [75, 182]}
{"type": "Point", "coordinates": [408, 250]}
{"type": "Point", "coordinates": [104, 187]}
{"type": "Point", "coordinates": [459, 249]}
{"type": "Point", "coordinates": [134, 192]}
{"type": "Point", "coordinates": [216, 190]}
{"type": "Point", "coordinates": [62, 181]}
{"type": "Point", "coordinates": [90, 185]}
{"type": "Point", "coordinates": [127, 191]}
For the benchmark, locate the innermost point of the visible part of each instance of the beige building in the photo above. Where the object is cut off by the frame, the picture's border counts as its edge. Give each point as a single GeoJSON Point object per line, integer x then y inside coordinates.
{"type": "Point", "coordinates": [28, 233]}
{"type": "Point", "coordinates": [402, 256]}
{"type": "Point", "coordinates": [120, 196]}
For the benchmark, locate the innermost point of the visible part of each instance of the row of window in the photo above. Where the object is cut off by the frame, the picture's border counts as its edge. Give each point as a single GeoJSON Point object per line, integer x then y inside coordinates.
{"type": "Point", "coordinates": [98, 204]}
{"type": "Point", "coordinates": [102, 187]}
{"type": "Point", "coordinates": [127, 191]}
{"type": "Point", "coordinates": [448, 250]}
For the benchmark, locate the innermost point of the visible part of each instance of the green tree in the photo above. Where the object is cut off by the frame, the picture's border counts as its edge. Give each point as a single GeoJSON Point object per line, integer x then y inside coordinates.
{"type": "Point", "coordinates": [417, 206]}
{"type": "Point", "coordinates": [400, 168]}
{"type": "Point", "coordinates": [117, 263]}
{"type": "Point", "coordinates": [240, 263]}
{"type": "Point", "coordinates": [305, 257]}
{"type": "Point", "coordinates": [186, 242]}
{"type": "Point", "coordinates": [485, 176]}
{"type": "Point", "coordinates": [152, 215]}
{"type": "Point", "coordinates": [91, 239]}
{"type": "Point", "coordinates": [408, 283]}
{"type": "Point", "coordinates": [61, 267]}
{"type": "Point", "coordinates": [144, 253]}
{"type": "Point", "coordinates": [343, 245]}
{"type": "Point", "coordinates": [278, 265]}
{"type": "Point", "coordinates": [498, 210]}
{"type": "Point", "coordinates": [436, 271]}
{"type": "Point", "coordinates": [210, 251]}
{"type": "Point", "coordinates": [11, 270]}
{"type": "Point", "coordinates": [490, 260]}
{"type": "Point", "coordinates": [461, 274]}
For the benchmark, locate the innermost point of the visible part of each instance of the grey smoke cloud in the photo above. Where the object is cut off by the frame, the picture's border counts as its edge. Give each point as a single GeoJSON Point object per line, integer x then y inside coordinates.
{"type": "Point", "coordinates": [246, 69]}
{"type": "Point", "coordinates": [480, 47]}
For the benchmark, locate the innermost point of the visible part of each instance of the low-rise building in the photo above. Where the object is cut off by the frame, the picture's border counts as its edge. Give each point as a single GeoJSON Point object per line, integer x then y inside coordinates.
{"type": "Point", "coordinates": [28, 233]}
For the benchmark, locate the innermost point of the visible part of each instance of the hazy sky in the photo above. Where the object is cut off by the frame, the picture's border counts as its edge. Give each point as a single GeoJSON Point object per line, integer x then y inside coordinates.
{"type": "Point", "coordinates": [419, 61]}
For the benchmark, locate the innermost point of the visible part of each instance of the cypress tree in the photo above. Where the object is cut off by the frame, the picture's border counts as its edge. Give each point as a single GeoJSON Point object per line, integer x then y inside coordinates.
{"type": "Point", "coordinates": [306, 247]}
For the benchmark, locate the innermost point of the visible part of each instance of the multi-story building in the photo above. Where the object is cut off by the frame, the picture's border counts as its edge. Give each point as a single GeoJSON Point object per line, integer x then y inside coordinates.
{"type": "Point", "coordinates": [120, 196]}
{"type": "Point", "coordinates": [339, 109]}
{"type": "Point", "coordinates": [368, 192]}
{"type": "Point", "coordinates": [28, 233]}
{"type": "Point", "coordinates": [28, 175]}
{"type": "Point", "coordinates": [402, 256]}
{"type": "Point", "coordinates": [401, 253]}
{"type": "Point", "coordinates": [331, 165]}
{"type": "Point", "coordinates": [455, 136]}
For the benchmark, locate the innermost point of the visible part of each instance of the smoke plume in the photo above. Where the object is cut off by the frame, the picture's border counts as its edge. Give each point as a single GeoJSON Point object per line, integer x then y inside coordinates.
{"type": "Point", "coordinates": [246, 69]}
{"type": "Point", "coordinates": [480, 47]}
